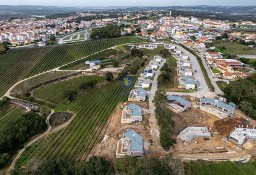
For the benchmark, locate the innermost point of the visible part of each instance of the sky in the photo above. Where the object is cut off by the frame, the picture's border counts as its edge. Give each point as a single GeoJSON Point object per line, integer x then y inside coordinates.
{"type": "Point", "coordinates": [101, 3]}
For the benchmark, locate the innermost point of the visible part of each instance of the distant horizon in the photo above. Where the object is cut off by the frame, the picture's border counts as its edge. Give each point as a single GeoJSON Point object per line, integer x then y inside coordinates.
{"type": "Point", "coordinates": [133, 5]}
{"type": "Point", "coordinates": [130, 3]}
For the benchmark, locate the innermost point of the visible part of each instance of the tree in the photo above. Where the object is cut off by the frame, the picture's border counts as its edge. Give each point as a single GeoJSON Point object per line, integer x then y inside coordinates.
{"type": "Point", "coordinates": [70, 95]}
{"type": "Point", "coordinates": [165, 52]}
{"type": "Point", "coordinates": [2, 49]}
{"type": "Point", "coordinates": [115, 63]}
{"type": "Point", "coordinates": [138, 30]}
{"type": "Point", "coordinates": [52, 38]}
{"type": "Point", "coordinates": [122, 74]}
{"type": "Point", "coordinates": [193, 38]}
{"type": "Point", "coordinates": [225, 35]}
{"type": "Point", "coordinates": [88, 85]}
{"type": "Point", "coordinates": [137, 52]}
{"type": "Point", "coordinates": [109, 76]}
{"type": "Point", "coordinates": [99, 166]}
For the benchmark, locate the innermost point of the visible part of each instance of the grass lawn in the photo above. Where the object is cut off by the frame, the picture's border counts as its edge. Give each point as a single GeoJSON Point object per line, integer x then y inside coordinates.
{"type": "Point", "coordinates": [220, 168]}
{"type": "Point", "coordinates": [234, 48]}
{"type": "Point", "coordinates": [54, 92]}
{"type": "Point", "coordinates": [216, 71]}
{"type": "Point", "coordinates": [74, 37]}
{"type": "Point", "coordinates": [82, 36]}
{"type": "Point", "coordinates": [67, 38]}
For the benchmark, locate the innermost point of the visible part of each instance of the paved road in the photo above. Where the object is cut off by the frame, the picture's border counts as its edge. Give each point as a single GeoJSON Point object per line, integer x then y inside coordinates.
{"type": "Point", "coordinates": [217, 90]}
{"type": "Point", "coordinates": [199, 75]}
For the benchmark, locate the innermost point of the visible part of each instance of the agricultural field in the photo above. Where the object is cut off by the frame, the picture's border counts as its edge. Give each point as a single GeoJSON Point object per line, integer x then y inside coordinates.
{"type": "Point", "coordinates": [23, 63]}
{"type": "Point", "coordinates": [42, 79]}
{"type": "Point", "coordinates": [220, 168]}
{"type": "Point", "coordinates": [234, 48]}
{"type": "Point", "coordinates": [9, 115]}
{"type": "Point", "coordinates": [57, 89]}
{"type": "Point", "coordinates": [104, 56]}
{"type": "Point", "coordinates": [75, 142]}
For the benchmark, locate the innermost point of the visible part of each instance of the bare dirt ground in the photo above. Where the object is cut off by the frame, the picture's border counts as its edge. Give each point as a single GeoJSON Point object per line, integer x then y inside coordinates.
{"type": "Point", "coordinates": [225, 126]}
{"type": "Point", "coordinates": [114, 131]}
{"type": "Point", "coordinates": [198, 146]}
{"type": "Point", "coordinates": [193, 117]}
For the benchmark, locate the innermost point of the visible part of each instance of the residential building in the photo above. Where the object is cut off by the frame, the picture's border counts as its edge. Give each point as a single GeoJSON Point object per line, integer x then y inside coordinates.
{"type": "Point", "coordinates": [131, 113]}
{"type": "Point", "coordinates": [241, 135]}
{"type": "Point", "coordinates": [188, 134]}
{"type": "Point", "coordinates": [93, 63]}
{"type": "Point", "coordinates": [131, 144]}
{"type": "Point", "coordinates": [186, 82]}
{"type": "Point", "coordinates": [216, 107]}
{"type": "Point", "coordinates": [138, 94]}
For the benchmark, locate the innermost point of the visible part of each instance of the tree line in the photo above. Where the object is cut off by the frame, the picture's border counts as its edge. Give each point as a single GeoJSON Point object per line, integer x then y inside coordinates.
{"type": "Point", "coordinates": [164, 118]}
{"type": "Point", "coordinates": [17, 132]}
{"type": "Point", "coordinates": [243, 93]}
{"type": "Point", "coordinates": [101, 166]}
{"type": "Point", "coordinates": [110, 31]}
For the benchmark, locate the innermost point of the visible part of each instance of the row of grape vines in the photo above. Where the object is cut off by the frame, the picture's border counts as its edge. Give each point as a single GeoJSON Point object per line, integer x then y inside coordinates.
{"type": "Point", "coordinates": [23, 63]}
{"type": "Point", "coordinates": [77, 140]}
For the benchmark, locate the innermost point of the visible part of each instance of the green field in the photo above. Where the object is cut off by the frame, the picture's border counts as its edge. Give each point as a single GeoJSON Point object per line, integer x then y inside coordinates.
{"type": "Point", "coordinates": [22, 63]}
{"type": "Point", "coordinates": [82, 36]}
{"type": "Point", "coordinates": [221, 168]}
{"type": "Point", "coordinates": [216, 71]}
{"type": "Point", "coordinates": [57, 89]}
{"type": "Point", "coordinates": [92, 111]}
{"type": "Point", "coordinates": [67, 38]}
{"type": "Point", "coordinates": [171, 61]}
{"type": "Point", "coordinates": [234, 48]}
{"type": "Point", "coordinates": [74, 37]}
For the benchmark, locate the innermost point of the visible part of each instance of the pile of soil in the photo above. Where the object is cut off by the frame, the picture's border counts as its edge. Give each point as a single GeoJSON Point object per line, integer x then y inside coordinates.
{"type": "Point", "coordinates": [224, 127]}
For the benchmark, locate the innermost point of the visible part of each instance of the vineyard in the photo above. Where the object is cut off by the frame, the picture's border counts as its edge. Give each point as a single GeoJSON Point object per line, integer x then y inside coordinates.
{"type": "Point", "coordinates": [92, 111]}
{"type": "Point", "coordinates": [54, 92]}
{"type": "Point", "coordinates": [22, 63]}
{"type": "Point", "coordinates": [10, 115]}
{"type": "Point", "coordinates": [41, 79]}
{"type": "Point", "coordinates": [221, 168]}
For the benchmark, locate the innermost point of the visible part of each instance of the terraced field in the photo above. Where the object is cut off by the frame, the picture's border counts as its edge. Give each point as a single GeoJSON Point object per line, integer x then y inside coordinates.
{"type": "Point", "coordinates": [92, 111]}
{"type": "Point", "coordinates": [22, 63]}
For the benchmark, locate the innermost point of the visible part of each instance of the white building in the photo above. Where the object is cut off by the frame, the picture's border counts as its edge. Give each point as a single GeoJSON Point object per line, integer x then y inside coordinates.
{"type": "Point", "coordinates": [241, 135]}
{"type": "Point", "coordinates": [188, 134]}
